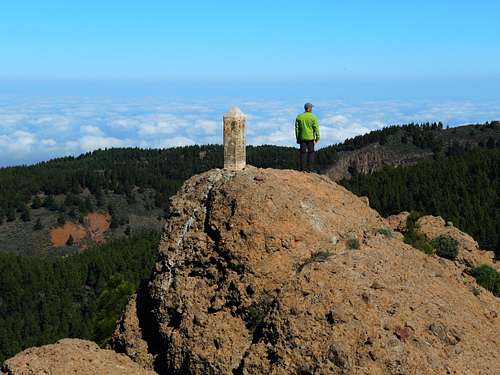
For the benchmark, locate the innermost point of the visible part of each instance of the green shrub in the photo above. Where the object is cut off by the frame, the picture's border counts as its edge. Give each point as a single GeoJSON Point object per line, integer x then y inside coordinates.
{"type": "Point", "coordinates": [386, 232]}
{"type": "Point", "coordinates": [488, 278]}
{"type": "Point", "coordinates": [258, 311]}
{"type": "Point", "coordinates": [38, 225]}
{"type": "Point", "coordinates": [446, 246]}
{"type": "Point", "coordinates": [353, 243]}
{"type": "Point", "coordinates": [413, 236]}
{"type": "Point", "coordinates": [316, 257]}
{"type": "Point", "coordinates": [419, 241]}
{"type": "Point", "coordinates": [411, 220]}
{"type": "Point", "coordinates": [110, 305]}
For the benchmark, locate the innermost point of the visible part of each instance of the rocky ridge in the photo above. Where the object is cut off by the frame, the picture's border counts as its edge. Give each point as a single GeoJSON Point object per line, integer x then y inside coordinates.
{"type": "Point", "coordinates": [260, 272]}
{"type": "Point", "coordinates": [71, 356]}
{"type": "Point", "coordinates": [279, 272]}
{"type": "Point", "coordinates": [372, 158]}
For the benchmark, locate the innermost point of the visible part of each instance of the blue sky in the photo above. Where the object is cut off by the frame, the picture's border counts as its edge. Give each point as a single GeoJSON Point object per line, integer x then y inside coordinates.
{"type": "Point", "coordinates": [250, 39]}
{"type": "Point", "coordinates": [72, 72]}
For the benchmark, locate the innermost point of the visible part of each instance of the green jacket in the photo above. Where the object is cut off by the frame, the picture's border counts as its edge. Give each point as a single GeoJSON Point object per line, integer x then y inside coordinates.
{"type": "Point", "coordinates": [306, 127]}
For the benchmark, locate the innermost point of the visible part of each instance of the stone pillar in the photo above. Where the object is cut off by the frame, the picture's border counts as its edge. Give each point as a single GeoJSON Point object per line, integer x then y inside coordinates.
{"type": "Point", "coordinates": [235, 156]}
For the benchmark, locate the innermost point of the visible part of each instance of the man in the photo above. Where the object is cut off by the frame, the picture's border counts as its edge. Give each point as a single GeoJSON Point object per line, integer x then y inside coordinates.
{"type": "Point", "coordinates": [307, 135]}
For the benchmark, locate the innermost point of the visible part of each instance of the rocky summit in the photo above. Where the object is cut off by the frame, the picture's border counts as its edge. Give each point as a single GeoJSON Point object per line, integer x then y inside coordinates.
{"type": "Point", "coordinates": [265, 271]}
{"type": "Point", "coordinates": [280, 272]}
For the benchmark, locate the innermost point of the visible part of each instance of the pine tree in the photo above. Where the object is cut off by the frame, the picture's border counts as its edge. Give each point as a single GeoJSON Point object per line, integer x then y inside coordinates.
{"type": "Point", "coordinates": [38, 225]}
{"type": "Point", "coordinates": [88, 204]}
{"type": "Point", "coordinates": [50, 203]}
{"type": "Point", "coordinates": [25, 214]}
{"type": "Point", "coordinates": [11, 214]}
{"type": "Point", "coordinates": [61, 220]}
{"type": "Point", "coordinates": [37, 203]}
{"type": "Point", "coordinates": [115, 223]}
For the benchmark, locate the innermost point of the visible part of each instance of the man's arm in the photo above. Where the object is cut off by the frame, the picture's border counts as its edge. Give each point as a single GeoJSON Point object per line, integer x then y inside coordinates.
{"type": "Point", "coordinates": [297, 130]}
{"type": "Point", "coordinates": [316, 129]}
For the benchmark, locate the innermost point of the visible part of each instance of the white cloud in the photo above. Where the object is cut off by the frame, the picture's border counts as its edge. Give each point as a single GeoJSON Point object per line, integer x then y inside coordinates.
{"type": "Point", "coordinates": [9, 119]}
{"type": "Point", "coordinates": [176, 142]}
{"type": "Point", "coordinates": [48, 142]}
{"type": "Point", "coordinates": [205, 127]}
{"type": "Point", "coordinates": [34, 130]}
{"type": "Point", "coordinates": [58, 121]}
{"type": "Point", "coordinates": [335, 120]}
{"type": "Point", "coordinates": [153, 125]}
{"type": "Point", "coordinates": [17, 142]}
{"type": "Point", "coordinates": [124, 123]}
{"type": "Point", "coordinates": [91, 130]}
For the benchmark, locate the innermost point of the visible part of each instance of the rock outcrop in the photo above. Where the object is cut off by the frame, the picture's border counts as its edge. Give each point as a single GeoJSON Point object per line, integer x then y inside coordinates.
{"type": "Point", "coordinates": [129, 338]}
{"type": "Point", "coordinates": [469, 253]}
{"type": "Point", "coordinates": [372, 158]}
{"type": "Point", "coordinates": [266, 271]}
{"type": "Point", "coordinates": [71, 356]}
{"type": "Point", "coordinates": [281, 272]}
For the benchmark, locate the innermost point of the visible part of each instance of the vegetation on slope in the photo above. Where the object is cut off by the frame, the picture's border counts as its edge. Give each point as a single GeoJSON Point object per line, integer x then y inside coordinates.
{"type": "Point", "coordinates": [43, 299]}
{"type": "Point", "coordinates": [464, 189]}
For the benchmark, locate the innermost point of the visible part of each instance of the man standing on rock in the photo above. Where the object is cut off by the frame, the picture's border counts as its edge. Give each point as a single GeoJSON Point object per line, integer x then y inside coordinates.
{"type": "Point", "coordinates": [307, 134]}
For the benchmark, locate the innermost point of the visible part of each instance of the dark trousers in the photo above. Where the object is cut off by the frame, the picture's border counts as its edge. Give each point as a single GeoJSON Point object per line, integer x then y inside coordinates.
{"type": "Point", "coordinates": [306, 155]}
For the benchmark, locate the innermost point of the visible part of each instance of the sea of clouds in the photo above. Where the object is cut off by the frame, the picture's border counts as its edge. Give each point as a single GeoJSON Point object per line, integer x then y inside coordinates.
{"type": "Point", "coordinates": [33, 130]}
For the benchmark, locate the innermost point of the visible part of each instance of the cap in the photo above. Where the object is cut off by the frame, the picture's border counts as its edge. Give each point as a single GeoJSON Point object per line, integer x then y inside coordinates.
{"type": "Point", "coordinates": [308, 106]}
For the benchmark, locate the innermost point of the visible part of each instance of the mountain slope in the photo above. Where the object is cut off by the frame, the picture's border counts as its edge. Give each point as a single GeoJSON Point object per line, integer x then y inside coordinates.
{"type": "Point", "coordinates": [279, 272]}
{"type": "Point", "coordinates": [408, 144]}
{"type": "Point", "coordinates": [464, 189]}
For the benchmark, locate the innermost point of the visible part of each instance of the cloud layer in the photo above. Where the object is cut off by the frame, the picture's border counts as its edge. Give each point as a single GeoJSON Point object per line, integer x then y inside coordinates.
{"type": "Point", "coordinates": [37, 130]}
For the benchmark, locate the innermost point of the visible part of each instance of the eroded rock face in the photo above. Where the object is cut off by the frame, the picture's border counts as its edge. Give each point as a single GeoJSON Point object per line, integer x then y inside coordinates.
{"type": "Point", "coordinates": [71, 356]}
{"type": "Point", "coordinates": [372, 158]}
{"type": "Point", "coordinates": [282, 272]}
{"type": "Point", "coordinates": [129, 337]}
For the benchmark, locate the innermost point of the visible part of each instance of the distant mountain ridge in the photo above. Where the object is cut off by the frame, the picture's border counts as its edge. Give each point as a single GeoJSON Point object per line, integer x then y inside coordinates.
{"type": "Point", "coordinates": [407, 144]}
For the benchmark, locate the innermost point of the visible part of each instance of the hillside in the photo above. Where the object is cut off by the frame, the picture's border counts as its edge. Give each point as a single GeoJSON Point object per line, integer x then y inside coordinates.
{"type": "Point", "coordinates": [44, 299]}
{"type": "Point", "coordinates": [102, 195]}
{"type": "Point", "coordinates": [408, 144]}
{"type": "Point", "coordinates": [113, 193]}
{"type": "Point", "coordinates": [319, 284]}
{"type": "Point", "coordinates": [464, 189]}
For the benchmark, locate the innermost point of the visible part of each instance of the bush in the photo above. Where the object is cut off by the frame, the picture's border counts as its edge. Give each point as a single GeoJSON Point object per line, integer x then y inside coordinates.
{"type": "Point", "coordinates": [110, 305]}
{"type": "Point", "coordinates": [316, 257]}
{"type": "Point", "coordinates": [488, 278]}
{"type": "Point", "coordinates": [386, 232]}
{"type": "Point", "coordinates": [419, 241]}
{"type": "Point", "coordinates": [38, 225]}
{"type": "Point", "coordinates": [446, 246]}
{"type": "Point", "coordinates": [353, 243]}
{"type": "Point", "coordinates": [413, 235]}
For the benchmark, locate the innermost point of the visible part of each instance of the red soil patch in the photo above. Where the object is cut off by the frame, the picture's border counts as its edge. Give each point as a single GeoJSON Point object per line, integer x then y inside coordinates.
{"type": "Point", "coordinates": [98, 224]}
{"type": "Point", "coordinates": [59, 236]}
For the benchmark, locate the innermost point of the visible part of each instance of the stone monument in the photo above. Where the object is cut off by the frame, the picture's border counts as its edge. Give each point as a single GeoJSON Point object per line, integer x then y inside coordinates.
{"type": "Point", "coordinates": [234, 140]}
